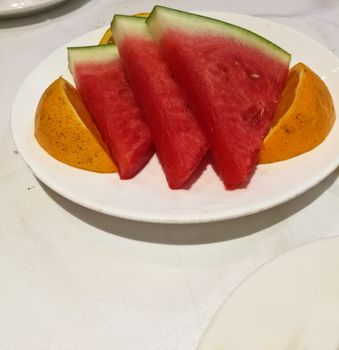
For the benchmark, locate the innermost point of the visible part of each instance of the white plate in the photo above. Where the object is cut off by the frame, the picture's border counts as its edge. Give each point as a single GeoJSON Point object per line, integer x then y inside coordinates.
{"type": "Point", "coordinates": [10, 8]}
{"type": "Point", "coordinates": [291, 303]}
{"type": "Point", "coordinates": [147, 197]}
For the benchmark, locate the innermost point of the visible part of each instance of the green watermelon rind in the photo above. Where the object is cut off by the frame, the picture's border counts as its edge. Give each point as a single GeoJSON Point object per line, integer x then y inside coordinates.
{"type": "Point", "coordinates": [91, 54]}
{"type": "Point", "coordinates": [195, 23]}
{"type": "Point", "coordinates": [133, 25]}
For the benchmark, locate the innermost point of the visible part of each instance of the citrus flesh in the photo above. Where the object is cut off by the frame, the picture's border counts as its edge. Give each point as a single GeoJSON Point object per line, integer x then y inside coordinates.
{"type": "Point", "coordinates": [107, 38]}
{"type": "Point", "coordinates": [304, 116]}
{"type": "Point", "coordinates": [64, 128]}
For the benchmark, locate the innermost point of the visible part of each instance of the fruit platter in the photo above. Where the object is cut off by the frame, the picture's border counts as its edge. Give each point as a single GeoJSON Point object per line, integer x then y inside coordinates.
{"type": "Point", "coordinates": [179, 168]}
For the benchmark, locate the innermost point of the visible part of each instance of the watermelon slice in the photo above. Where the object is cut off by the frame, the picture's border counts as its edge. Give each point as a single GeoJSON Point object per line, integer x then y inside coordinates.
{"type": "Point", "coordinates": [178, 139]}
{"type": "Point", "coordinates": [101, 81]}
{"type": "Point", "coordinates": [233, 79]}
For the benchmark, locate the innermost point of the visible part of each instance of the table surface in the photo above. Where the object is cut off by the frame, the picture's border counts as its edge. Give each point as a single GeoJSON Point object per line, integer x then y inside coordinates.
{"type": "Point", "coordinates": [71, 278]}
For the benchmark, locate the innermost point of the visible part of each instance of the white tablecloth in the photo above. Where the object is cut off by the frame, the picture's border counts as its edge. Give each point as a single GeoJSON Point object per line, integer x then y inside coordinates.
{"type": "Point", "coordinates": [71, 278]}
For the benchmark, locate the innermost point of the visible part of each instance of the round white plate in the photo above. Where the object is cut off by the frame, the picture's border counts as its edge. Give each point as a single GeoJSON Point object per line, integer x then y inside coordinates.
{"type": "Point", "coordinates": [11, 8]}
{"type": "Point", "coordinates": [291, 303]}
{"type": "Point", "coordinates": [147, 197]}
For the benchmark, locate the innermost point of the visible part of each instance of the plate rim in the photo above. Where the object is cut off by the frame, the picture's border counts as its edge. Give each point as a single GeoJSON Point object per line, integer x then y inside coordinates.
{"type": "Point", "coordinates": [29, 8]}
{"type": "Point", "coordinates": [252, 275]}
{"type": "Point", "coordinates": [203, 218]}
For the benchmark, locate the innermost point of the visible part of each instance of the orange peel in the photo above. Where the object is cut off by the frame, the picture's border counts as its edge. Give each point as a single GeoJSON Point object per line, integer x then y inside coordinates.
{"type": "Point", "coordinates": [64, 128]}
{"type": "Point", "coordinates": [304, 117]}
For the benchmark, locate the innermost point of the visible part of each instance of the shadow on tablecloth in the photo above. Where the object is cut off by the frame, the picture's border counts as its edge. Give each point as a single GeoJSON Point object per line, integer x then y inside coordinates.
{"type": "Point", "coordinates": [190, 234]}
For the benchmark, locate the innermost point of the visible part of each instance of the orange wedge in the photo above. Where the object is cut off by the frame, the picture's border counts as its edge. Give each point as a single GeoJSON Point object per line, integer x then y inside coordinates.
{"type": "Point", "coordinates": [304, 117]}
{"type": "Point", "coordinates": [107, 38]}
{"type": "Point", "coordinates": [64, 128]}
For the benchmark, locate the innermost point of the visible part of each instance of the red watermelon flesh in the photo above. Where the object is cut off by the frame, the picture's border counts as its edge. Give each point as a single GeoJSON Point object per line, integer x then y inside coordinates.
{"type": "Point", "coordinates": [101, 81]}
{"type": "Point", "coordinates": [232, 81]}
{"type": "Point", "coordinates": [178, 139]}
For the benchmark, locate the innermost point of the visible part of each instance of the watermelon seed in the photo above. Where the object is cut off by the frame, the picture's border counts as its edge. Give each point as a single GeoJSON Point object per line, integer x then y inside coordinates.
{"type": "Point", "coordinates": [255, 76]}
